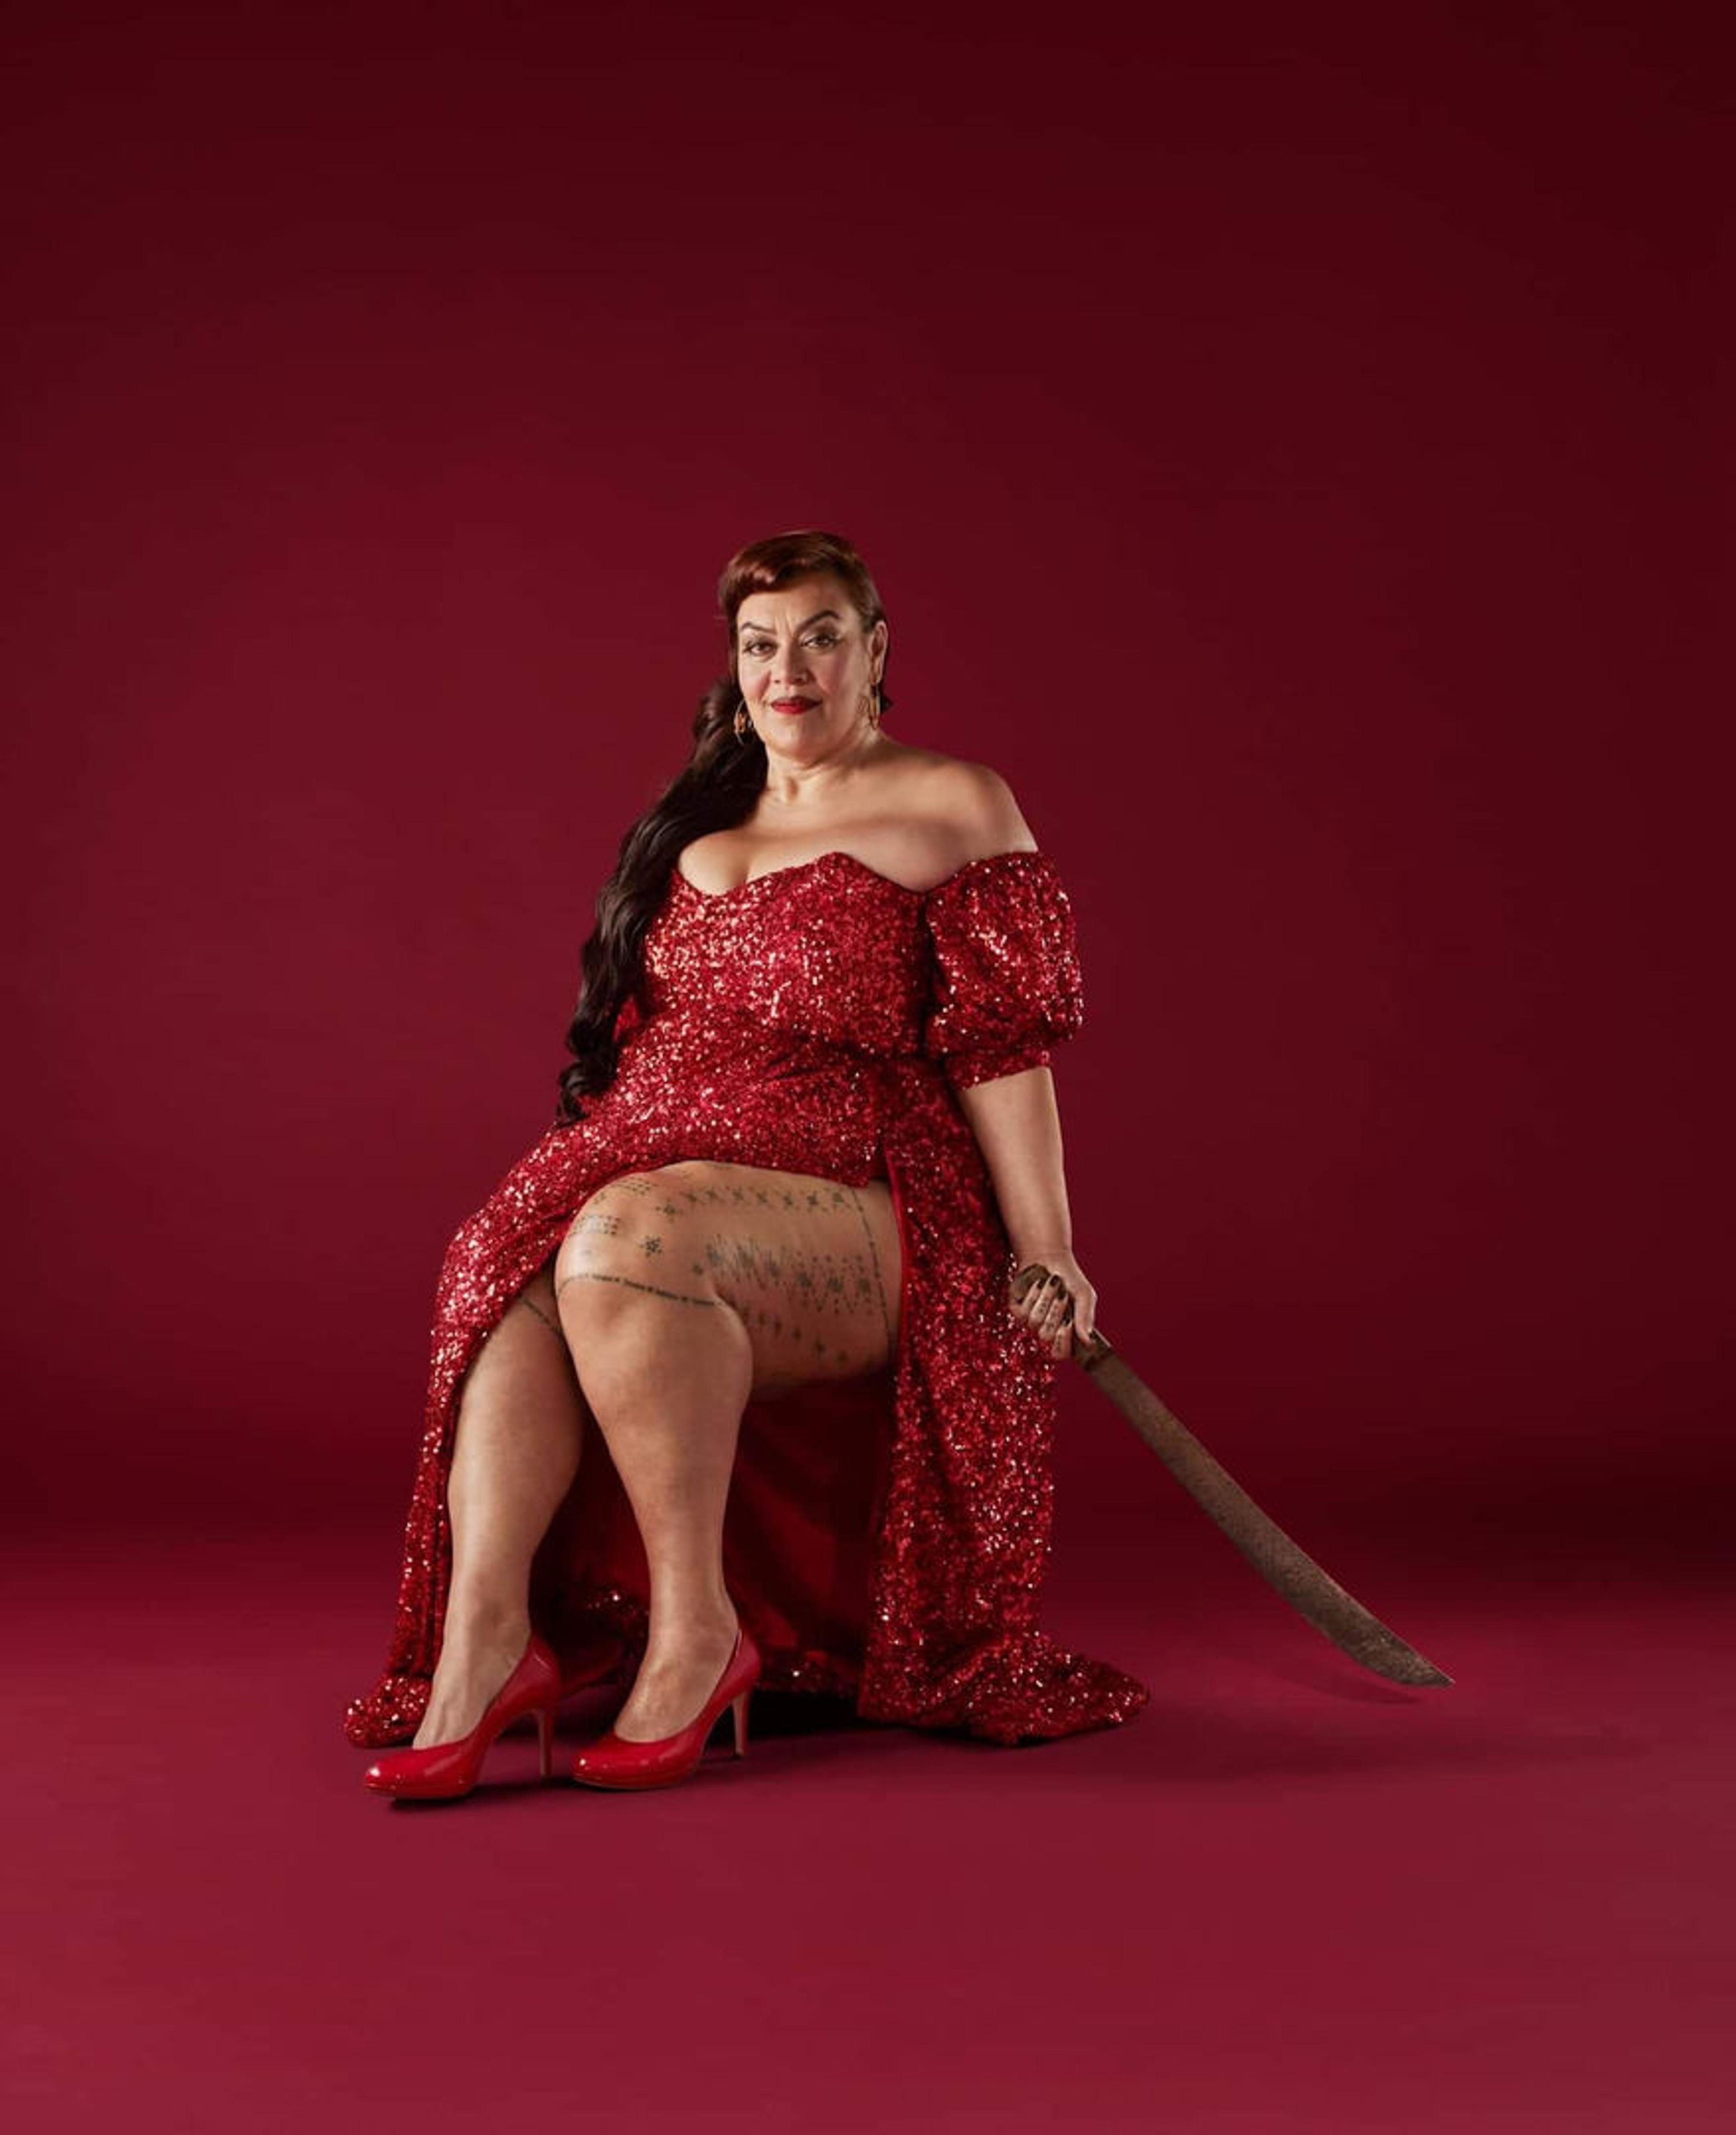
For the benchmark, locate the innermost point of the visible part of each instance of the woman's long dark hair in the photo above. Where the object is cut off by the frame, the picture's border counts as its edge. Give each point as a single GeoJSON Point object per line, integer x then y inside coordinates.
{"type": "Point", "coordinates": [716, 790]}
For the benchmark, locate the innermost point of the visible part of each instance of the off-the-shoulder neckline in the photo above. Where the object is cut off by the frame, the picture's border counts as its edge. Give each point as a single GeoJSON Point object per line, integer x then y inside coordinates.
{"type": "Point", "coordinates": [799, 867]}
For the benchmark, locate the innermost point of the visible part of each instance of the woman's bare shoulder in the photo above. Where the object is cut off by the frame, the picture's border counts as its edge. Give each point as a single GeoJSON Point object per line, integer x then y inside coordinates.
{"type": "Point", "coordinates": [977, 806]}
{"type": "Point", "coordinates": [929, 814]}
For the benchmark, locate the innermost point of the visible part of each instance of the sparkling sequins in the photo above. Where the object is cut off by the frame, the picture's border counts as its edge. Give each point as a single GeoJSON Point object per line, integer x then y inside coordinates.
{"type": "Point", "coordinates": [820, 1018]}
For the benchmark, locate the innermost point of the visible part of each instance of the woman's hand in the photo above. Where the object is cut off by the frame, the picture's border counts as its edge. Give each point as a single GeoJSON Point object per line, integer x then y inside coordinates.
{"type": "Point", "coordinates": [1059, 1306]}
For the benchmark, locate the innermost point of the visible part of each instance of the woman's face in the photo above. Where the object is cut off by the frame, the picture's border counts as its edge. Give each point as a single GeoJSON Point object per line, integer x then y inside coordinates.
{"type": "Point", "coordinates": [805, 664]}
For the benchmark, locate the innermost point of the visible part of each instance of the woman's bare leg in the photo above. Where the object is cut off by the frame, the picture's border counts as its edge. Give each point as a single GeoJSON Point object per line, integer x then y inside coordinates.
{"type": "Point", "coordinates": [515, 1452]}
{"type": "Point", "coordinates": [684, 1292]}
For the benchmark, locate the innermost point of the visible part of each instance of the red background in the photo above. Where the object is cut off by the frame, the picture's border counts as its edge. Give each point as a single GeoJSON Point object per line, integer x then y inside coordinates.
{"type": "Point", "coordinates": [1285, 442]}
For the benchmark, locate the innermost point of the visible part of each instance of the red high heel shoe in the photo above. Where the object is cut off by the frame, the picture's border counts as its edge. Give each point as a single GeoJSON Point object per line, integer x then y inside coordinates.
{"type": "Point", "coordinates": [447, 1769]}
{"type": "Point", "coordinates": [613, 1761]}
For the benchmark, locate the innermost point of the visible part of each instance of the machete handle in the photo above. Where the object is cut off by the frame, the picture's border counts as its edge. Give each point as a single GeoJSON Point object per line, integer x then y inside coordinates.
{"type": "Point", "coordinates": [1090, 1349]}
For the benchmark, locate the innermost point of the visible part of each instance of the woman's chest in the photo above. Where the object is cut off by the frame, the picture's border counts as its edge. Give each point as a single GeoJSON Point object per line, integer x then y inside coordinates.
{"type": "Point", "coordinates": [827, 950]}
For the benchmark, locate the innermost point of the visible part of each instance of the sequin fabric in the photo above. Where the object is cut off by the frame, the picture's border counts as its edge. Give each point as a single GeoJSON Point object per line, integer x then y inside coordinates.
{"type": "Point", "coordinates": [822, 1018]}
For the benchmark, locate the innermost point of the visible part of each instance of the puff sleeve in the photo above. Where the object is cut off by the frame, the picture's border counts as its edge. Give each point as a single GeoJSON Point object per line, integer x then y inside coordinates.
{"type": "Point", "coordinates": [1005, 982]}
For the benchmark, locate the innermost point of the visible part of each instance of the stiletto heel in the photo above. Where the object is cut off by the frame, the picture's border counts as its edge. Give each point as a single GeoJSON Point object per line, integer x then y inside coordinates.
{"type": "Point", "coordinates": [613, 1761]}
{"type": "Point", "coordinates": [447, 1769]}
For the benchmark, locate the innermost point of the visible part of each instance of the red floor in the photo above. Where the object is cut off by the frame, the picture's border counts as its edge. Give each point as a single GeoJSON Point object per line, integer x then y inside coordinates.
{"type": "Point", "coordinates": [1285, 1897]}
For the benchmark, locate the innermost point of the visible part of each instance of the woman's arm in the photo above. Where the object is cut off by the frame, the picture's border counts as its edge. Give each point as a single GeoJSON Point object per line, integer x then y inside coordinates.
{"type": "Point", "coordinates": [1015, 1119]}
{"type": "Point", "coordinates": [1017, 1124]}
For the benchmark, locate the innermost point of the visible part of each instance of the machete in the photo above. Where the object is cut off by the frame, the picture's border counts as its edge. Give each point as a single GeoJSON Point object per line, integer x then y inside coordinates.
{"type": "Point", "coordinates": [1314, 1597]}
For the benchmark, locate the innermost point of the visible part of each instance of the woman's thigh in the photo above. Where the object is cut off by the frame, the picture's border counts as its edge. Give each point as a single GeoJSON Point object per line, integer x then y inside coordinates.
{"type": "Point", "coordinates": [811, 1267]}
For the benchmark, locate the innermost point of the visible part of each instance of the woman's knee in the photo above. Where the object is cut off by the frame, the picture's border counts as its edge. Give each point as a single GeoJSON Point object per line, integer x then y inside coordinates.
{"type": "Point", "coordinates": [525, 1350]}
{"type": "Point", "coordinates": [537, 1298]}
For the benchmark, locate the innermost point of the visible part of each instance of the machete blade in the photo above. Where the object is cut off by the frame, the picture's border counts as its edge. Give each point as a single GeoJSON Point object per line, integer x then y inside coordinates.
{"type": "Point", "coordinates": [1314, 1594]}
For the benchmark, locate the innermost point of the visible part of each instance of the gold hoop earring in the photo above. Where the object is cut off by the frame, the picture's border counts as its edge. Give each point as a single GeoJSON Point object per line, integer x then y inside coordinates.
{"type": "Point", "coordinates": [742, 722]}
{"type": "Point", "coordinates": [874, 705]}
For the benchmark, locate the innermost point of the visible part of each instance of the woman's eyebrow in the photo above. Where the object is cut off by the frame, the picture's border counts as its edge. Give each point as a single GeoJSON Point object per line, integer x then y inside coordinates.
{"type": "Point", "coordinates": [817, 615]}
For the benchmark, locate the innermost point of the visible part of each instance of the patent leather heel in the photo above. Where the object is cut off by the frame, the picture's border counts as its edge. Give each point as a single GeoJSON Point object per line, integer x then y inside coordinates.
{"type": "Point", "coordinates": [445, 1770]}
{"type": "Point", "coordinates": [613, 1761]}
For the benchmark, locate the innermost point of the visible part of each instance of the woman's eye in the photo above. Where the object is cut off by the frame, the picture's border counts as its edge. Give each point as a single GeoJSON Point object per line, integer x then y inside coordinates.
{"type": "Point", "coordinates": [761, 648]}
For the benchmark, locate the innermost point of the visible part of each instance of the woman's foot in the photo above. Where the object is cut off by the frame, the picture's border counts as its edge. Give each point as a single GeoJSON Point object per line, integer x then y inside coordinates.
{"type": "Point", "coordinates": [476, 1656]}
{"type": "Point", "coordinates": [679, 1673]}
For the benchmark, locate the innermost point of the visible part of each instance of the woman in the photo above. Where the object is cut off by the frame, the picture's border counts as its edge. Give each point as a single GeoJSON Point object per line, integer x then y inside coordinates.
{"type": "Point", "coordinates": [727, 1385]}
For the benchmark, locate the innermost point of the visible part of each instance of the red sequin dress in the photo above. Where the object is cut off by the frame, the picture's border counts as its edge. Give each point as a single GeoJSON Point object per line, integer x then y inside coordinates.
{"type": "Point", "coordinates": [885, 1536]}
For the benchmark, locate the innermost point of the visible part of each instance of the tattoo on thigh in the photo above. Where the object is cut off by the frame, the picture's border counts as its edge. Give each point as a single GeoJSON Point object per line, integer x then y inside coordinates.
{"type": "Point", "coordinates": [874, 1259]}
{"type": "Point", "coordinates": [626, 1282]}
{"type": "Point", "coordinates": [805, 1301]}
